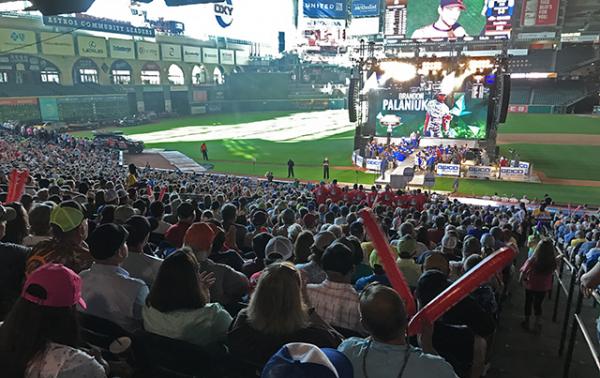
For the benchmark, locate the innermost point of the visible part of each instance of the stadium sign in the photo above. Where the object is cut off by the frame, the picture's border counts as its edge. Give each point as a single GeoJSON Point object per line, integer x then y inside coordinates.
{"type": "Point", "coordinates": [448, 170]}
{"type": "Point", "coordinates": [147, 51]}
{"type": "Point", "coordinates": [210, 55]}
{"type": "Point", "coordinates": [18, 41]}
{"type": "Point", "coordinates": [192, 54]}
{"type": "Point", "coordinates": [227, 57]}
{"type": "Point", "coordinates": [98, 25]}
{"type": "Point", "coordinates": [57, 44]}
{"type": "Point", "coordinates": [224, 13]}
{"type": "Point", "coordinates": [373, 164]}
{"type": "Point", "coordinates": [360, 160]}
{"type": "Point", "coordinates": [242, 57]}
{"type": "Point", "coordinates": [91, 47]}
{"type": "Point", "coordinates": [522, 164]}
{"type": "Point", "coordinates": [332, 9]}
{"type": "Point", "coordinates": [170, 52]}
{"type": "Point", "coordinates": [479, 171]}
{"type": "Point", "coordinates": [121, 49]}
{"type": "Point", "coordinates": [517, 174]}
{"type": "Point", "coordinates": [366, 8]}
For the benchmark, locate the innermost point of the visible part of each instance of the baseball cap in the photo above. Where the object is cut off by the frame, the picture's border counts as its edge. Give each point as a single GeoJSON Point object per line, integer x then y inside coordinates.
{"type": "Point", "coordinates": [199, 236]}
{"type": "Point", "coordinates": [66, 218]}
{"type": "Point", "coordinates": [300, 360]}
{"type": "Point", "coordinates": [449, 3]}
{"type": "Point", "coordinates": [106, 240]}
{"type": "Point", "coordinates": [7, 214]}
{"type": "Point", "coordinates": [324, 239]}
{"type": "Point", "coordinates": [280, 246]}
{"type": "Point", "coordinates": [62, 287]}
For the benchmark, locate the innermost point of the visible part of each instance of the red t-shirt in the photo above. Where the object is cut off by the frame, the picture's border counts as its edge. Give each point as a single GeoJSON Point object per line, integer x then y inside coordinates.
{"type": "Point", "coordinates": [535, 281]}
{"type": "Point", "coordinates": [359, 196]}
{"type": "Point", "coordinates": [321, 193]}
{"type": "Point", "coordinates": [335, 193]}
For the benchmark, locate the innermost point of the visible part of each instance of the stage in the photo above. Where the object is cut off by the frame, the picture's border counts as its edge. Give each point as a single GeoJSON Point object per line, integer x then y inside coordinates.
{"type": "Point", "coordinates": [428, 142]}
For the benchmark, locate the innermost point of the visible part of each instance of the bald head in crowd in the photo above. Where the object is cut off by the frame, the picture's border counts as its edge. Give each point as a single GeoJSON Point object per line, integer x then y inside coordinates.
{"type": "Point", "coordinates": [382, 313]}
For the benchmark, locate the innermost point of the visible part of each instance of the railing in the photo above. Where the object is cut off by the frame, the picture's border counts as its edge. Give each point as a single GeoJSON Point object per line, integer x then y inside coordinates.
{"type": "Point", "coordinates": [567, 290]}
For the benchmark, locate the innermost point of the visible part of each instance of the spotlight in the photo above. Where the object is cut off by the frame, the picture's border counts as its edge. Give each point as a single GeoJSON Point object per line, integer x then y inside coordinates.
{"type": "Point", "coordinates": [398, 71]}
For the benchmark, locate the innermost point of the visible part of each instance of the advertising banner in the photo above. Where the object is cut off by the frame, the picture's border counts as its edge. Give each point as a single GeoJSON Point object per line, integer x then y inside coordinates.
{"type": "Point", "coordinates": [147, 51]}
{"type": "Point", "coordinates": [354, 155]}
{"type": "Point", "coordinates": [517, 174]}
{"type": "Point", "coordinates": [373, 164]}
{"type": "Point", "coordinates": [364, 26]}
{"type": "Point", "coordinates": [522, 164]}
{"type": "Point", "coordinates": [49, 109]}
{"type": "Point", "coordinates": [540, 12]}
{"type": "Point", "coordinates": [121, 48]}
{"type": "Point", "coordinates": [19, 101]}
{"type": "Point", "coordinates": [18, 41]}
{"type": "Point", "coordinates": [170, 52]}
{"type": "Point", "coordinates": [57, 44]}
{"type": "Point", "coordinates": [92, 47]}
{"type": "Point", "coordinates": [334, 9]}
{"type": "Point", "coordinates": [366, 8]}
{"type": "Point", "coordinates": [210, 55]}
{"type": "Point", "coordinates": [448, 170]}
{"type": "Point", "coordinates": [477, 171]}
{"type": "Point", "coordinates": [518, 108]}
{"type": "Point", "coordinates": [227, 57]}
{"type": "Point", "coordinates": [360, 161]}
{"type": "Point", "coordinates": [192, 54]}
{"type": "Point", "coordinates": [100, 25]}
{"type": "Point", "coordinates": [242, 57]}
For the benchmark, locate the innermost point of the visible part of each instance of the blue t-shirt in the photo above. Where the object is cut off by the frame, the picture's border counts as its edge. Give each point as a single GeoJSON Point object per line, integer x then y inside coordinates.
{"type": "Point", "coordinates": [386, 360]}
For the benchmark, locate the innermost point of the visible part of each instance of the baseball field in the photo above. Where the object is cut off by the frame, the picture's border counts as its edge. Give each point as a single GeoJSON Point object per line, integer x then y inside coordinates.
{"type": "Point", "coordinates": [564, 149]}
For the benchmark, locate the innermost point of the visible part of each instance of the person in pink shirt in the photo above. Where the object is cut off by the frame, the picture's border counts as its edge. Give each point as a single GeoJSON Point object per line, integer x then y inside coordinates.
{"type": "Point", "coordinates": [536, 276]}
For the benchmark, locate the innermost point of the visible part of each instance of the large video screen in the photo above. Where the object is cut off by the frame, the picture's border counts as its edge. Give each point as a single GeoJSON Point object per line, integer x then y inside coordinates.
{"type": "Point", "coordinates": [456, 112]}
{"type": "Point", "coordinates": [448, 19]}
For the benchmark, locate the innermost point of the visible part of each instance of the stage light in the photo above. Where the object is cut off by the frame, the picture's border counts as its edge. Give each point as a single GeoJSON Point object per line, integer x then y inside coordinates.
{"type": "Point", "coordinates": [398, 71]}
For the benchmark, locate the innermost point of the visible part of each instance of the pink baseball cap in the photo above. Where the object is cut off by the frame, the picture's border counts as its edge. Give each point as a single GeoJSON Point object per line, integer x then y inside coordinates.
{"type": "Point", "coordinates": [62, 286]}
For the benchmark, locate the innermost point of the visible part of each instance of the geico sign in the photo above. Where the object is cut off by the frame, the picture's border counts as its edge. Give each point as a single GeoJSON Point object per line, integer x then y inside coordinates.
{"type": "Point", "coordinates": [513, 172]}
{"type": "Point", "coordinates": [448, 167]}
{"type": "Point", "coordinates": [224, 13]}
{"type": "Point", "coordinates": [480, 169]}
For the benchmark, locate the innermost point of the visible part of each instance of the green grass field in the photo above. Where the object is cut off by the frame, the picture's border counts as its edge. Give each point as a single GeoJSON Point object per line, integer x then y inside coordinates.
{"type": "Point", "coordinates": [237, 156]}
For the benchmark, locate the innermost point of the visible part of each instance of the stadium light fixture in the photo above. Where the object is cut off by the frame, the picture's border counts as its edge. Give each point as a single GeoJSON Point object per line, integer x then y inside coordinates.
{"type": "Point", "coordinates": [398, 71]}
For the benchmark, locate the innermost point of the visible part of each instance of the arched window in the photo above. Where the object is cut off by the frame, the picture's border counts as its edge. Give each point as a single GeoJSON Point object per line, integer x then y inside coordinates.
{"type": "Point", "coordinates": [120, 72]}
{"type": "Point", "coordinates": [199, 75]}
{"type": "Point", "coordinates": [176, 76]}
{"type": "Point", "coordinates": [219, 75]}
{"type": "Point", "coordinates": [85, 71]}
{"type": "Point", "coordinates": [150, 74]}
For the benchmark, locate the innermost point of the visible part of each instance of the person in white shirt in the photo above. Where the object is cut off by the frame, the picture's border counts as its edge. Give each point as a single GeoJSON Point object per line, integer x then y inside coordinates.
{"type": "Point", "coordinates": [138, 264]}
{"type": "Point", "coordinates": [447, 25]}
{"type": "Point", "coordinates": [108, 289]}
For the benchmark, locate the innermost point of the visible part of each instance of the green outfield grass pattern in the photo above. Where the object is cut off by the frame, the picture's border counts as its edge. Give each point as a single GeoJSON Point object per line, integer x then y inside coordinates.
{"type": "Point", "coordinates": [550, 124]}
{"type": "Point", "coordinates": [556, 161]}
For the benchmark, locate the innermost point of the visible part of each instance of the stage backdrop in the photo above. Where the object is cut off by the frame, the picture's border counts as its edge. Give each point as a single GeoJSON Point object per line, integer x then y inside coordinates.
{"type": "Point", "coordinates": [460, 115]}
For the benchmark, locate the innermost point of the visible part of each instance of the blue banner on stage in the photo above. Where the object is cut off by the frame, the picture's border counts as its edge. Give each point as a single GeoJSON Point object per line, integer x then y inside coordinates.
{"type": "Point", "coordinates": [366, 8]}
{"type": "Point", "coordinates": [332, 9]}
{"type": "Point", "coordinates": [106, 26]}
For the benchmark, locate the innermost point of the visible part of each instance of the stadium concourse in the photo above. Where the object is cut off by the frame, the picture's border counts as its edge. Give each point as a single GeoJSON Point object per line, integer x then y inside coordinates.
{"type": "Point", "coordinates": [146, 233]}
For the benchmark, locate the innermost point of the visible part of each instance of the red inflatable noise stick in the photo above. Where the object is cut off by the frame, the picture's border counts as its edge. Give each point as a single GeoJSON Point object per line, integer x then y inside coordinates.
{"type": "Point", "coordinates": [16, 187]}
{"type": "Point", "coordinates": [386, 256]}
{"type": "Point", "coordinates": [480, 274]}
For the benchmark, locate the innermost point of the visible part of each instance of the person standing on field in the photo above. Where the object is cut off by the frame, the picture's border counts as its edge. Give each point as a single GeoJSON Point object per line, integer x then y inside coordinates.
{"type": "Point", "coordinates": [326, 169]}
{"type": "Point", "coordinates": [204, 150]}
{"type": "Point", "coordinates": [290, 164]}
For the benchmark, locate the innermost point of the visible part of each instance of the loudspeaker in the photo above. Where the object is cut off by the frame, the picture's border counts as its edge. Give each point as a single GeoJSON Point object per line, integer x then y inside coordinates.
{"type": "Point", "coordinates": [505, 98]}
{"type": "Point", "coordinates": [491, 116]}
{"type": "Point", "coordinates": [55, 7]}
{"type": "Point", "coordinates": [352, 99]}
{"type": "Point", "coordinates": [281, 40]}
{"type": "Point", "coordinates": [398, 182]}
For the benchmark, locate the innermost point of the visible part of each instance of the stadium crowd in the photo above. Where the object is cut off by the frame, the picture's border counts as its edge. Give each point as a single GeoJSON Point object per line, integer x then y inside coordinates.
{"type": "Point", "coordinates": [274, 272]}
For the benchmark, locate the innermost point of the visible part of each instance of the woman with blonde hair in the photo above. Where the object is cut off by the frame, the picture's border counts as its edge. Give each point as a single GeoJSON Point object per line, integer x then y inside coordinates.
{"type": "Point", "coordinates": [276, 315]}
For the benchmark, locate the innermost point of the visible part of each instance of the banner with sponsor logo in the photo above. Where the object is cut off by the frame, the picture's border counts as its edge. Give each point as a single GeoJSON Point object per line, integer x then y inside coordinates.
{"type": "Point", "coordinates": [477, 171]}
{"type": "Point", "coordinates": [210, 55]}
{"type": "Point", "coordinates": [522, 164]}
{"type": "Point", "coordinates": [518, 109]}
{"type": "Point", "coordinates": [333, 9]}
{"type": "Point", "coordinates": [540, 12]}
{"type": "Point", "coordinates": [354, 155]}
{"type": "Point", "coordinates": [366, 8]}
{"type": "Point", "coordinates": [192, 54]}
{"type": "Point", "coordinates": [57, 44]}
{"type": "Point", "coordinates": [242, 57]}
{"type": "Point", "coordinates": [517, 174]}
{"type": "Point", "coordinates": [373, 164]}
{"type": "Point", "coordinates": [147, 51]}
{"type": "Point", "coordinates": [18, 41]}
{"type": "Point", "coordinates": [360, 161]}
{"type": "Point", "coordinates": [170, 52]}
{"type": "Point", "coordinates": [19, 101]}
{"type": "Point", "coordinates": [121, 48]}
{"type": "Point", "coordinates": [93, 47]}
{"type": "Point", "coordinates": [227, 57]}
{"type": "Point", "coordinates": [106, 26]}
{"type": "Point", "coordinates": [448, 170]}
